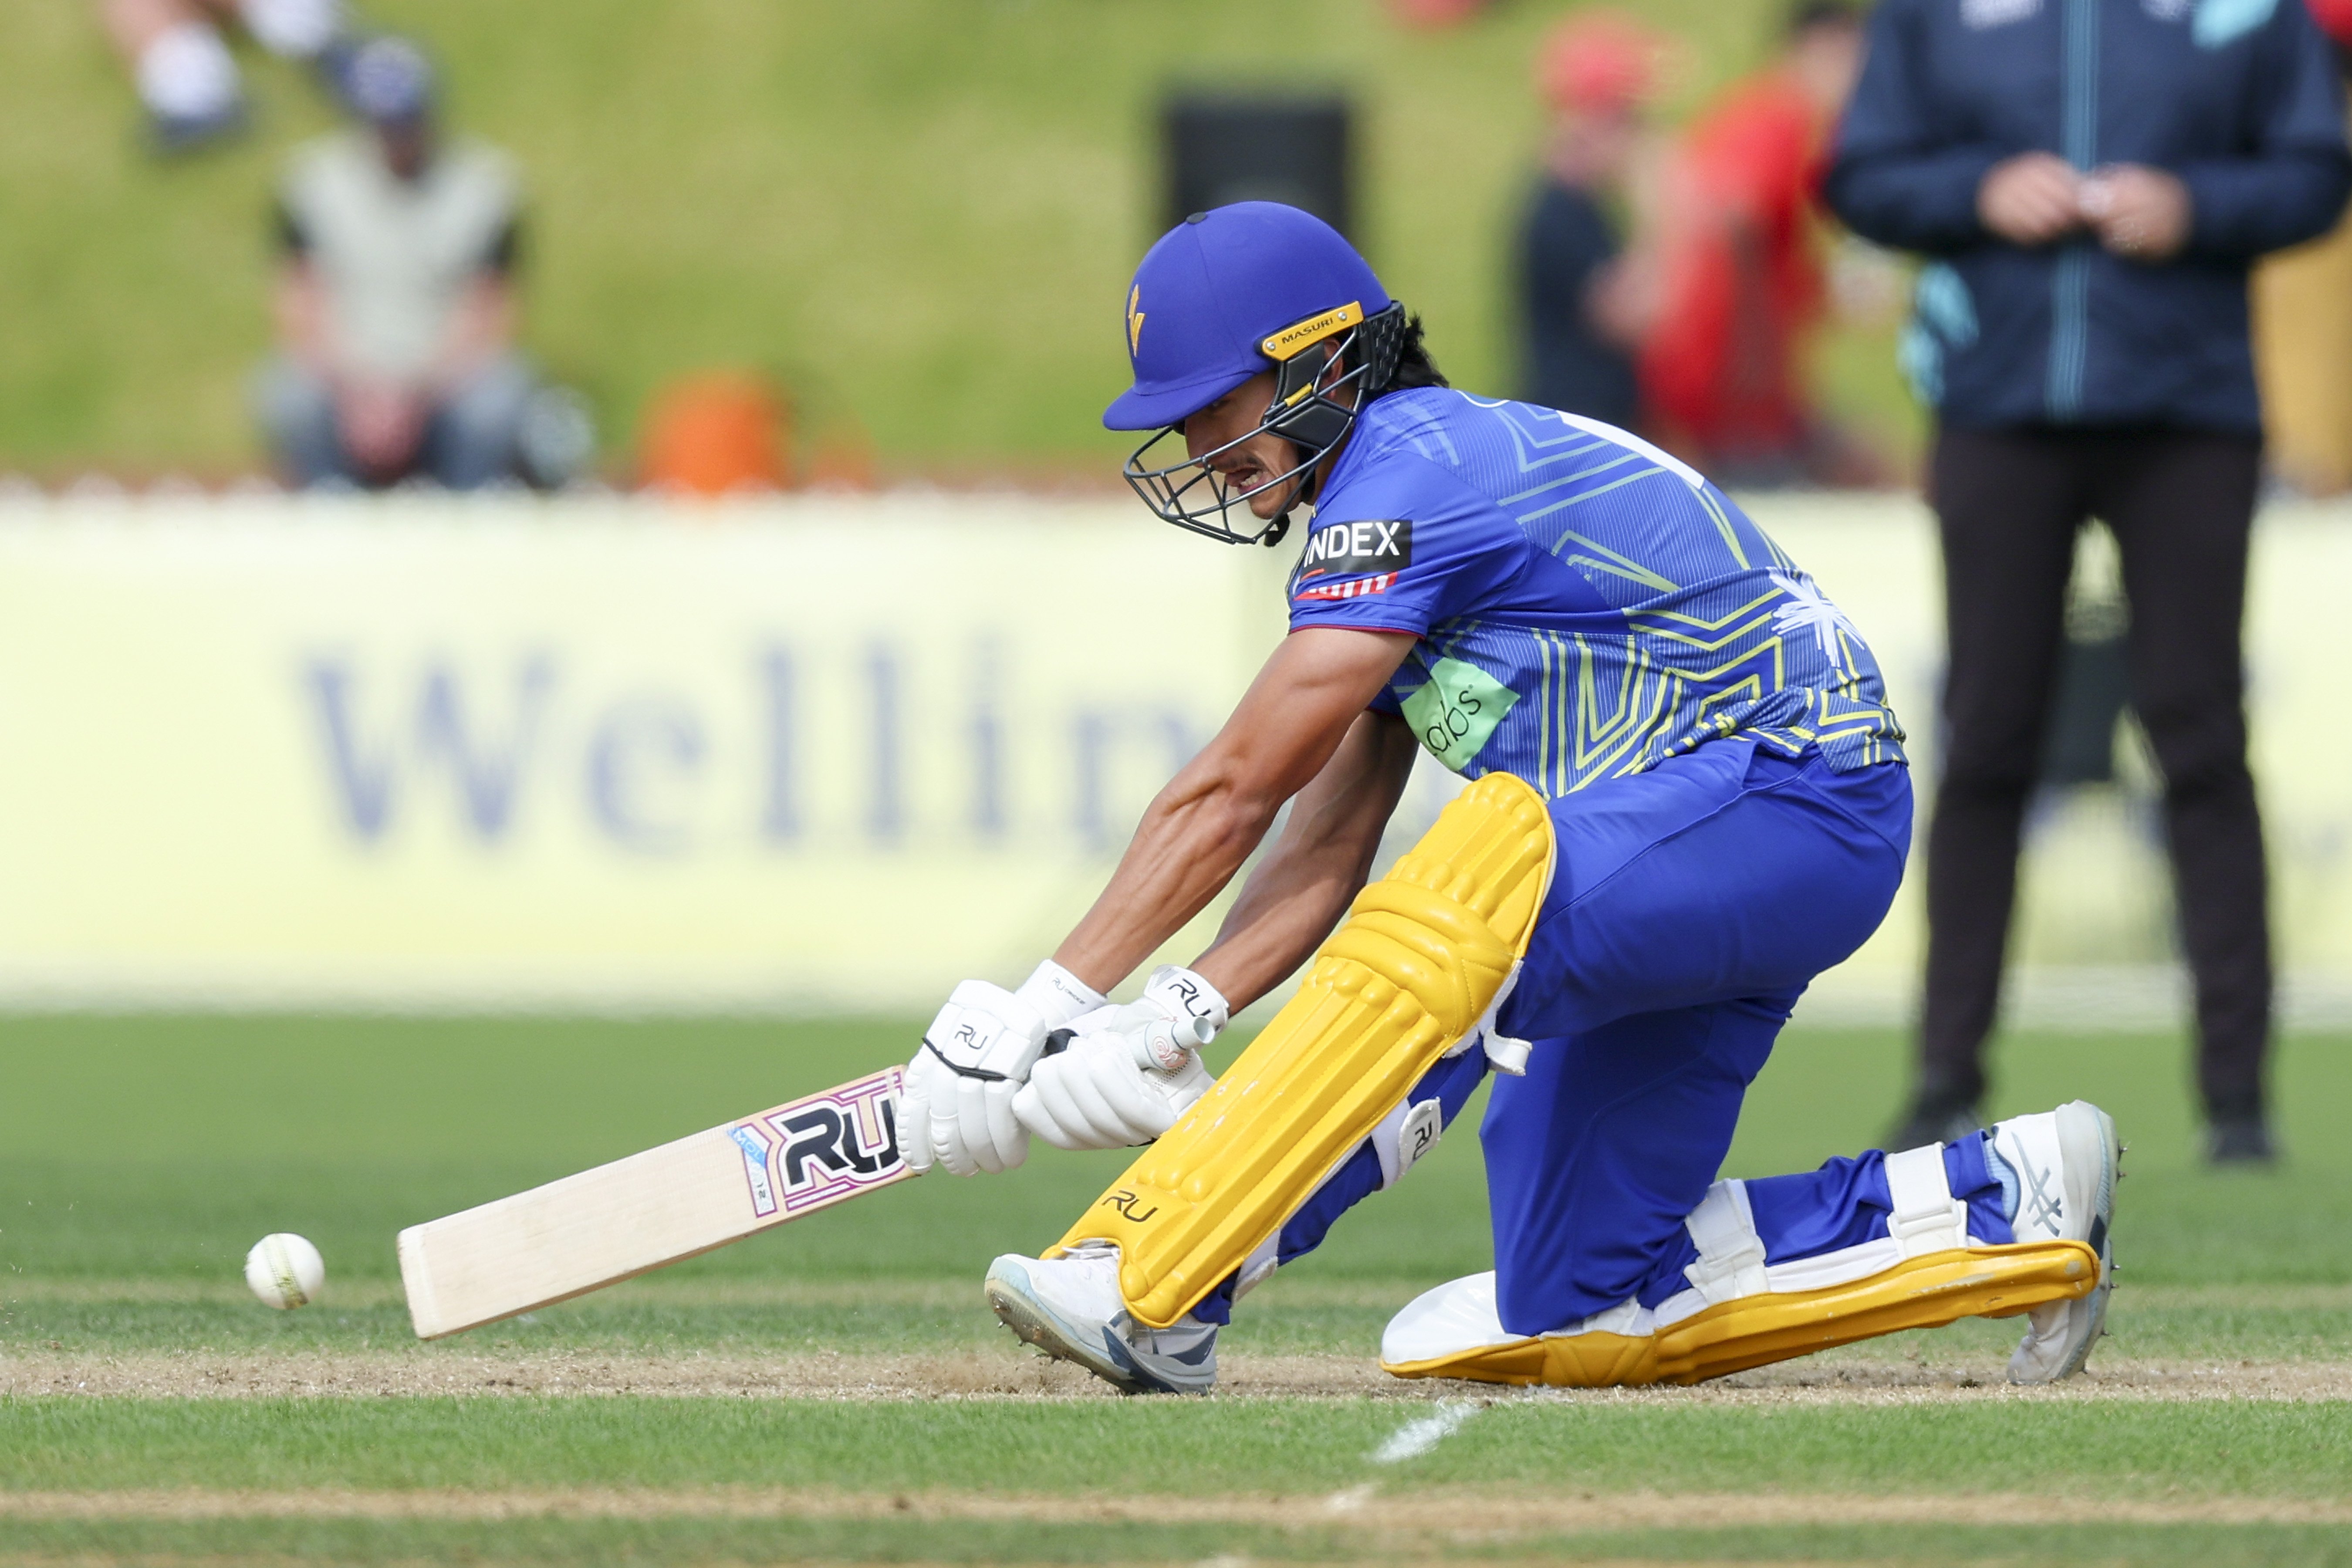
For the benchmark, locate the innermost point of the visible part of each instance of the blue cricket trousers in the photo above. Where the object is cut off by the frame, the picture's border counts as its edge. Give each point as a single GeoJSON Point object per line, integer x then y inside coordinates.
{"type": "Point", "coordinates": [1690, 906]}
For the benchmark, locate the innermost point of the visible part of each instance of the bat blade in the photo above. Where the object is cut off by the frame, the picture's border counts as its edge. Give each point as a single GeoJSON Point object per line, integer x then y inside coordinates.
{"type": "Point", "coordinates": [638, 1214]}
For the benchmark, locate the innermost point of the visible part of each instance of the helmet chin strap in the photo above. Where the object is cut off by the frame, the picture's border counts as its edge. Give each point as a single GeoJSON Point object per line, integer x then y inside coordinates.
{"type": "Point", "coordinates": [1309, 485]}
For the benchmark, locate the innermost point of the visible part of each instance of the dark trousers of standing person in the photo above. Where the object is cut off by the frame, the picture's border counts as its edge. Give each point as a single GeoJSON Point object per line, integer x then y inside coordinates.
{"type": "Point", "coordinates": [2181, 506]}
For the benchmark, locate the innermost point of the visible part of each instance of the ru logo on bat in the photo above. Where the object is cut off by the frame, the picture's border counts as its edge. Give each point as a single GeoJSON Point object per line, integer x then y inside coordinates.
{"type": "Point", "coordinates": [828, 1146]}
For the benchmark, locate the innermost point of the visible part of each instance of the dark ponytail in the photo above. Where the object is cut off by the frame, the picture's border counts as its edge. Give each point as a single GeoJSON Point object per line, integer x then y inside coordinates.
{"type": "Point", "coordinates": [1413, 365]}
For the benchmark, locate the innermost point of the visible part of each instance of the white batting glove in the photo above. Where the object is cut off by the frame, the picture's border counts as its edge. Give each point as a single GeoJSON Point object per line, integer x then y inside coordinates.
{"type": "Point", "coordinates": [958, 1103]}
{"type": "Point", "coordinates": [1125, 1075]}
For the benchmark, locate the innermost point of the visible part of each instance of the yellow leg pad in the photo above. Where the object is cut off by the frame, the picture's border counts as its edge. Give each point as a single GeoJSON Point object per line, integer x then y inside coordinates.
{"type": "Point", "coordinates": [1420, 958]}
{"type": "Point", "coordinates": [1568, 1360]}
{"type": "Point", "coordinates": [1924, 1292]}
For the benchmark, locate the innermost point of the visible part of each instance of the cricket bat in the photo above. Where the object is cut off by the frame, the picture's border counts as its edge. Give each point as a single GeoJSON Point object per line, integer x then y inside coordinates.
{"type": "Point", "coordinates": [617, 1221]}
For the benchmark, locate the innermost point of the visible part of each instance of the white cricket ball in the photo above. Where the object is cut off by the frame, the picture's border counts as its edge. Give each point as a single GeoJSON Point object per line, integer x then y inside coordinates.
{"type": "Point", "coordinates": [285, 1270]}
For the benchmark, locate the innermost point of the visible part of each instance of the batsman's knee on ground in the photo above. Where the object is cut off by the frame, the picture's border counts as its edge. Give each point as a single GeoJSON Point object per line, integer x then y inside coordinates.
{"type": "Point", "coordinates": [1737, 1311]}
{"type": "Point", "coordinates": [1617, 1349]}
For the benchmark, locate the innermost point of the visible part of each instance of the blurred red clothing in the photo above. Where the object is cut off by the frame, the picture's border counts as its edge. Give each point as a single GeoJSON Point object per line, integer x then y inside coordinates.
{"type": "Point", "coordinates": [2334, 19]}
{"type": "Point", "coordinates": [1740, 280]}
{"type": "Point", "coordinates": [1602, 62]}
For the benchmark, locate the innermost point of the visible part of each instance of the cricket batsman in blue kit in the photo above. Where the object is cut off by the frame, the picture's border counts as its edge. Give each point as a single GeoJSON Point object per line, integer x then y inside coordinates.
{"type": "Point", "coordinates": [1690, 798]}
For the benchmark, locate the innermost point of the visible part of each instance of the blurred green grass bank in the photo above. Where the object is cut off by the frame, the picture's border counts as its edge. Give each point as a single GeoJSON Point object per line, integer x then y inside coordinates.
{"type": "Point", "coordinates": [919, 212]}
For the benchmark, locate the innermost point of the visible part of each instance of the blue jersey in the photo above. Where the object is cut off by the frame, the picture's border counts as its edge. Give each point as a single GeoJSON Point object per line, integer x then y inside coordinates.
{"type": "Point", "coordinates": [1586, 604]}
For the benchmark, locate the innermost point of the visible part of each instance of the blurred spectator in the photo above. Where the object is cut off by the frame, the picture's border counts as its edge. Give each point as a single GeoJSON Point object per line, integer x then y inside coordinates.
{"type": "Point", "coordinates": [1581, 306]}
{"type": "Point", "coordinates": [395, 301]}
{"type": "Point", "coordinates": [2092, 179]}
{"type": "Point", "coordinates": [1722, 369]}
{"type": "Point", "coordinates": [187, 81]}
{"type": "Point", "coordinates": [2334, 19]}
{"type": "Point", "coordinates": [716, 433]}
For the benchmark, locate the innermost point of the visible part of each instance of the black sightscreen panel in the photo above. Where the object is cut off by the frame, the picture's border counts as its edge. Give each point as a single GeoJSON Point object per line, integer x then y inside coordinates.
{"type": "Point", "coordinates": [1230, 147]}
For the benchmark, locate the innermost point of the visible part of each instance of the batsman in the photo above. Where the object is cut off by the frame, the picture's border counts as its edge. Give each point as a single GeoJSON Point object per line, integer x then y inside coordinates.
{"type": "Point", "coordinates": [1689, 798]}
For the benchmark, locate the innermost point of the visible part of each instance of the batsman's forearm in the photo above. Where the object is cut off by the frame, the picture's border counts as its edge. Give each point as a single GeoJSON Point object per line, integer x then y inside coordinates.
{"type": "Point", "coordinates": [1285, 911]}
{"type": "Point", "coordinates": [1303, 885]}
{"type": "Point", "coordinates": [1189, 845]}
{"type": "Point", "coordinates": [1307, 701]}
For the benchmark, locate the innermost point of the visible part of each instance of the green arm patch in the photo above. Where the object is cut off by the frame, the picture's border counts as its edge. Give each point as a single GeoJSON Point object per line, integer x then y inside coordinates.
{"type": "Point", "coordinates": [1454, 712]}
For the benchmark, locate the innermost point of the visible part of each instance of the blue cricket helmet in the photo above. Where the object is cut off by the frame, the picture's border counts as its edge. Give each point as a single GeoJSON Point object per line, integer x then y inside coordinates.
{"type": "Point", "coordinates": [1210, 292]}
{"type": "Point", "coordinates": [1233, 293]}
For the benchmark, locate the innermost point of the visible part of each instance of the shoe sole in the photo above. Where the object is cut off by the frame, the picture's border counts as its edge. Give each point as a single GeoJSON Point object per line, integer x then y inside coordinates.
{"type": "Point", "coordinates": [2101, 1240]}
{"type": "Point", "coordinates": [1036, 1323]}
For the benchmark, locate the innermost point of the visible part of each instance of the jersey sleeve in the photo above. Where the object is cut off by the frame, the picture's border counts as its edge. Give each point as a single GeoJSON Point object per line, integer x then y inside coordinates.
{"type": "Point", "coordinates": [1400, 545]}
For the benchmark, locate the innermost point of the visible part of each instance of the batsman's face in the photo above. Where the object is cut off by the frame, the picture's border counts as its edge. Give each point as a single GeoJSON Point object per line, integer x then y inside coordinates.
{"type": "Point", "coordinates": [1246, 464]}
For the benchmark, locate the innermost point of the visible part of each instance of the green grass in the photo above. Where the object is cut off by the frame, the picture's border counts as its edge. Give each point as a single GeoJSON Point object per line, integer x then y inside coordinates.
{"type": "Point", "coordinates": [2171, 1450]}
{"type": "Point", "coordinates": [139, 1157]}
{"type": "Point", "coordinates": [158, 1148]}
{"type": "Point", "coordinates": [922, 213]}
{"type": "Point", "coordinates": [1294, 1316]}
{"type": "Point", "coordinates": [696, 1541]}
{"type": "Point", "coordinates": [144, 1154]}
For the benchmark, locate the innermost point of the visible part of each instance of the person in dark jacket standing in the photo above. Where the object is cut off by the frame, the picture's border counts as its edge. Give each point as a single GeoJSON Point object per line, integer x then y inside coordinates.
{"type": "Point", "coordinates": [2090, 180]}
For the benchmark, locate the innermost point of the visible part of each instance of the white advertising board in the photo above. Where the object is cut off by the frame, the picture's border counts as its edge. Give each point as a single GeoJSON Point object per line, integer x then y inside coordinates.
{"type": "Point", "coordinates": [814, 753]}
{"type": "Point", "coordinates": [824, 754]}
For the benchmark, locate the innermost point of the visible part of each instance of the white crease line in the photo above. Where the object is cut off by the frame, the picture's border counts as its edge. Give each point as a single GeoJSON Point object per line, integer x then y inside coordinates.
{"type": "Point", "coordinates": [1414, 1438]}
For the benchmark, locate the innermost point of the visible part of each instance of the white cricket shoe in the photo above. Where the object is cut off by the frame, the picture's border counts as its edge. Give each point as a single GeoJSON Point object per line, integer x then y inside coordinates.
{"type": "Point", "coordinates": [1446, 1322]}
{"type": "Point", "coordinates": [1070, 1308]}
{"type": "Point", "coordinates": [2065, 1163]}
